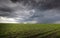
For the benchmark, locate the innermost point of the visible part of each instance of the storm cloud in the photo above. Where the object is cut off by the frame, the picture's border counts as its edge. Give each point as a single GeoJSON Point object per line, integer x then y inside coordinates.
{"type": "Point", "coordinates": [38, 11]}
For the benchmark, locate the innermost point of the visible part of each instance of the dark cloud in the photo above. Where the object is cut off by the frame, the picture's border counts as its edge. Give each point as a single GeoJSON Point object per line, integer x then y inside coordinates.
{"type": "Point", "coordinates": [44, 4]}
{"type": "Point", "coordinates": [22, 9]}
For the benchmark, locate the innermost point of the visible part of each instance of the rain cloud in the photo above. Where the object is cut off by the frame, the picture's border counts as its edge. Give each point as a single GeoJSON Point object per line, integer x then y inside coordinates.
{"type": "Point", "coordinates": [31, 11]}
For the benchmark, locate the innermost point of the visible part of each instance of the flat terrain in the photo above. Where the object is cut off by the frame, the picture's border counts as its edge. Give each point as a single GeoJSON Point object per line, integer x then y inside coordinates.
{"type": "Point", "coordinates": [29, 30]}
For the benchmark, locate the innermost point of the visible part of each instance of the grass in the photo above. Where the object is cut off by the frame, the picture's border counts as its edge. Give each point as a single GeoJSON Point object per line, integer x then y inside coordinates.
{"type": "Point", "coordinates": [29, 30]}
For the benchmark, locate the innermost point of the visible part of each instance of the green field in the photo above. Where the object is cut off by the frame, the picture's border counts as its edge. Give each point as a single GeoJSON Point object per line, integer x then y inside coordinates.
{"type": "Point", "coordinates": [29, 30]}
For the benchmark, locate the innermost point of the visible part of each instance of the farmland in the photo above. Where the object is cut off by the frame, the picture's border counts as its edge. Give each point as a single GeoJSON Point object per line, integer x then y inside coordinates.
{"type": "Point", "coordinates": [29, 30]}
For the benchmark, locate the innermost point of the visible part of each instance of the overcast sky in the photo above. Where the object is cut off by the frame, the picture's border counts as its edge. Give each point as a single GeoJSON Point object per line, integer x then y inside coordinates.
{"type": "Point", "coordinates": [31, 11]}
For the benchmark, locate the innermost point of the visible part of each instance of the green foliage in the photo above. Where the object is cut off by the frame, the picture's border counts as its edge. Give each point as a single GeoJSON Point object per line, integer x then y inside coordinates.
{"type": "Point", "coordinates": [29, 30]}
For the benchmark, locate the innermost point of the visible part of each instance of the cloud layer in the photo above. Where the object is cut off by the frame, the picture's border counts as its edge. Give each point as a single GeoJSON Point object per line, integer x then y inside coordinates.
{"type": "Point", "coordinates": [37, 11]}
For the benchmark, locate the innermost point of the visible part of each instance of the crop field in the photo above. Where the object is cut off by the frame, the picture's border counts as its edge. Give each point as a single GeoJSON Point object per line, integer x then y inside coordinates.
{"type": "Point", "coordinates": [29, 30]}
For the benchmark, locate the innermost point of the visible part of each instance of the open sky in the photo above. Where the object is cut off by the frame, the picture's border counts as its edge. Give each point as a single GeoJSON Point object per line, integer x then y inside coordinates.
{"type": "Point", "coordinates": [31, 11]}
